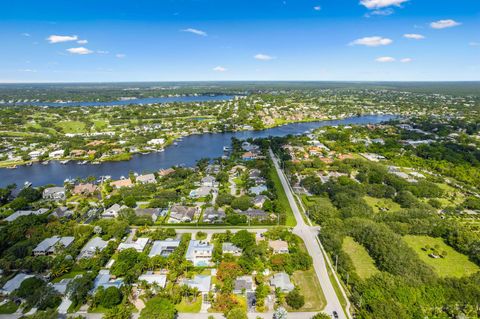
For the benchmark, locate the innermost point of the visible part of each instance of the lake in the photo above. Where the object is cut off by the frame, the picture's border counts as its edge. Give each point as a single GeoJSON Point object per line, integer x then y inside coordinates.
{"type": "Point", "coordinates": [151, 100]}
{"type": "Point", "coordinates": [187, 152]}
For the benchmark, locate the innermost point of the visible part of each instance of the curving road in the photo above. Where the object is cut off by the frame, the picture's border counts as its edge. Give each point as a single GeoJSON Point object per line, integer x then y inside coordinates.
{"type": "Point", "coordinates": [309, 236]}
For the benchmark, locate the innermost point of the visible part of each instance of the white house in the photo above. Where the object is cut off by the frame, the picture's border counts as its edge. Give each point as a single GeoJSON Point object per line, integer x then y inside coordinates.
{"type": "Point", "coordinates": [54, 193]}
{"type": "Point", "coordinates": [199, 252]}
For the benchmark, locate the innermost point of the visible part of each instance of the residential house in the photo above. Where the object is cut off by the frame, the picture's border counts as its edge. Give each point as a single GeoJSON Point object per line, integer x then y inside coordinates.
{"type": "Point", "coordinates": [165, 172]}
{"type": "Point", "coordinates": [163, 247]}
{"type": "Point", "coordinates": [62, 212]}
{"type": "Point", "coordinates": [199, 252]}
{"type": "Point", "coordinates": [201, 192]}
{"type": "Point", "coordinates": [56, 154]}
{"type": "Point", "coordinates": [105, 280]}
{"type": "Point", "coordinates": [84, 189]}
{"type": "Point", "coordinates": [282, 281]}
{"type": "Point", "coordinates": [257, 190]}
{"type": "Point", "coordinates": [182, 214]}
{"type": "Point", "coordinates": [138, 245]}
{"type": "Point", "coordinates": [259, 200]}
{"type": "Point", "coordinates": [212, 215]}
{"type": "Point", "coordinates": [243, 284]}
{"type": "Point", "coordinates": [49, 245]}
{"type": "Point", "coordinates": [112, 211]}
{"type": "Point", "coordinates": [121, 183]}
{"type": "Point", "coordinates": [21, 213]}
{"type": "Point", "coordinates": [229, 248]}
{"type": "Point", "coordinates": [248, 156]}
{"type": "Point", "coordinates": [151, 278]}
{"type": "Point", "coordinates": [14, 283]}
{"type": "Point", "coordinates": [153, 213]}
{"type": "Point", "coordinates": [156, 141]}
{"type": "Point", "coordinates": [201, 282]}
{"type": "Point", "coordinates": [90, 249]}
{"type": "Point", "coordinates": [278, 246]}
{"type": "Point", "coordinates": [209, 181]}
{"type": "Point", "coordinates": [146, 179]}
{"type": "Point", "coordinates": [54, 193]}
{"type": "Point", "coordinates": [253, 213]}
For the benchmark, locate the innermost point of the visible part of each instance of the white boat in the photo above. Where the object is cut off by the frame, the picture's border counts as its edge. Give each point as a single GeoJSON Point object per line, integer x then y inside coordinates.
{"type": "Point", "coordinates": [64, 162]}
{"type": "Point", "coordinates": [27, 184]}
{"type": "Point", "coordinates": [45, 163]}
{"type": "Point", "coordinates": [161, 150]}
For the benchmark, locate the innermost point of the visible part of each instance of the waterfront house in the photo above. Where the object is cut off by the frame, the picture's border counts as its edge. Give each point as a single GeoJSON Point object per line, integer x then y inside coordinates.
{"type": "Point", "coordinates": [146, 179]}
{"type": "Point", "coordinates": [84, 189]}
{"type": "Point", "coordinates": [49, 245]}
{"type": "Point", "coordinates": [199, 252]}
{"type": "Point", "coordinates": [54, 193]}
{"type": "Point", "coordinates": [165, 172]}
{"type": "Point", "coordinates": [121, 183]}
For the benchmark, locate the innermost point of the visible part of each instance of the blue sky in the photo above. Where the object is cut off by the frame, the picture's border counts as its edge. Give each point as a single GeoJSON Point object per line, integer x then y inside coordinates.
{"type": "Point", "coordinates": [175, 40]}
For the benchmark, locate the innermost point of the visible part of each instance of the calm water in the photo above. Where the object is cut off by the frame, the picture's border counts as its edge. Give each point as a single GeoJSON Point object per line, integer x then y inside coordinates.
{"type": "Point", "coordinates": [184, 99]}
{"type": "Point", "coordinates": [188, 151]}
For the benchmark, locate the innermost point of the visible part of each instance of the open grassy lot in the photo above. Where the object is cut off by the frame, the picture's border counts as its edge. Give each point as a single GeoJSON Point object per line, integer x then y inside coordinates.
{"type": "Point", "coordinates": [309, 286]}
{"type": "Point", "coordinates": [8, 308]}
{"type": "Point", "coordinates": [364, 265]}
{"type": "Point", "coordinates": [282, 198]}
{"type": "Point", "coordinates": [382, 204]}
{"type": "Point", "coordinates": [186, 306]}
{"type": "Point", "coordinates": [453, 264]}
{"type": "Point", "coordinates": [72, 126]}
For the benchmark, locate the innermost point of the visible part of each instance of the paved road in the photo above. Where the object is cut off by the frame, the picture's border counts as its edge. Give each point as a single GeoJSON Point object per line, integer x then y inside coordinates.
{"type": "Point", "coordinates": [309, 236]}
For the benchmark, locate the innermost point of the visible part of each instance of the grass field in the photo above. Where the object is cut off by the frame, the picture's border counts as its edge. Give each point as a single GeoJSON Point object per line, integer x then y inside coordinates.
{"type": "Point", "coordinates": [72, 126]}
{"type": "Point", "coordinates": [309, 286]}
{"type": "Point", "coordinates": [282, 198]}
{"type": "Point", "coordinates": [190, 307]}
{"type": "Point", "coordinates": [363, 263]}
{"type": "Point", "coordinates": [453, 264]}
{"type": "Point", "coordinates": [382, 204]}
{"type": "Point", "coordinates": [8, 308]}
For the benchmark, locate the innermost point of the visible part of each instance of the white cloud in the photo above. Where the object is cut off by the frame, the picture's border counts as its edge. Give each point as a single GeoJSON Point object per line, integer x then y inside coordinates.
{"type": "Point", "coordinates": [406, 60]}
{"type": "Point", "coordinates": [378, 4]}
{"type": "Point", "coordinates": [28, 70]}
{"type": "Point", "coordinates": [372, 41]}
{"type": "Point", "coordinates": [61, 38]}
{"type": "Point", "coordinates": [25, 34]}
{"type": "Point", "coordinates": [317, 8]}
{"type": "Point", "coordinates": [384, 12]}
{"type": "Point", "coordinates": [263, 57]}
{"type": "Point", "coordinates": [414, 36]}
{"type": "Point", "coordinates": [82, 41]}
{"type": "Point", "coordinates": [80, 51]}
{"type": "Point", "coordinates": [385, 59]}
{"type": "Point", "coordinates": [120, 55]}
{"type": "Point", "coordinates": [474, 44]}
{"type": "Point", "coordinates": [103, 52]}
{"type": "Point", "coordinates": [442, 24]}
{"type": "Point", "coordinates": [219, 69]}
{"type": "Point", "coordinates": [195, 31]}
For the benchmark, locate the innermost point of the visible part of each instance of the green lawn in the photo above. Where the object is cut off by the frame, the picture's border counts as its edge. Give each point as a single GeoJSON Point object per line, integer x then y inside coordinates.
{"type": "Point", "coordinates": [453, 264]}
{"type": "Point", "coordinates": [382, 204]}
{"type": "Point", "coordinates": [72, 126]}
{"type": "Point", "coordinates": [71, 274]}
{"type": "Point", "coordinates": [100, 124]}
{"type": "Point", "coordinates": [309, 286]}
{"type": "Point", "coordinates": [363, 263]}
{"type": "Point", "coordinates": [8, 308]}
{"type": "Point", "coordinates": [282, 198]}
{"type": "Point", "coordinates": [186, 306]}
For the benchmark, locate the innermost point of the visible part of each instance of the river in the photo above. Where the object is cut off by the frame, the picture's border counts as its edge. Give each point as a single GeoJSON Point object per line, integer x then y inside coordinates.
{"type": "Point", "coordinates": [187, 152]}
